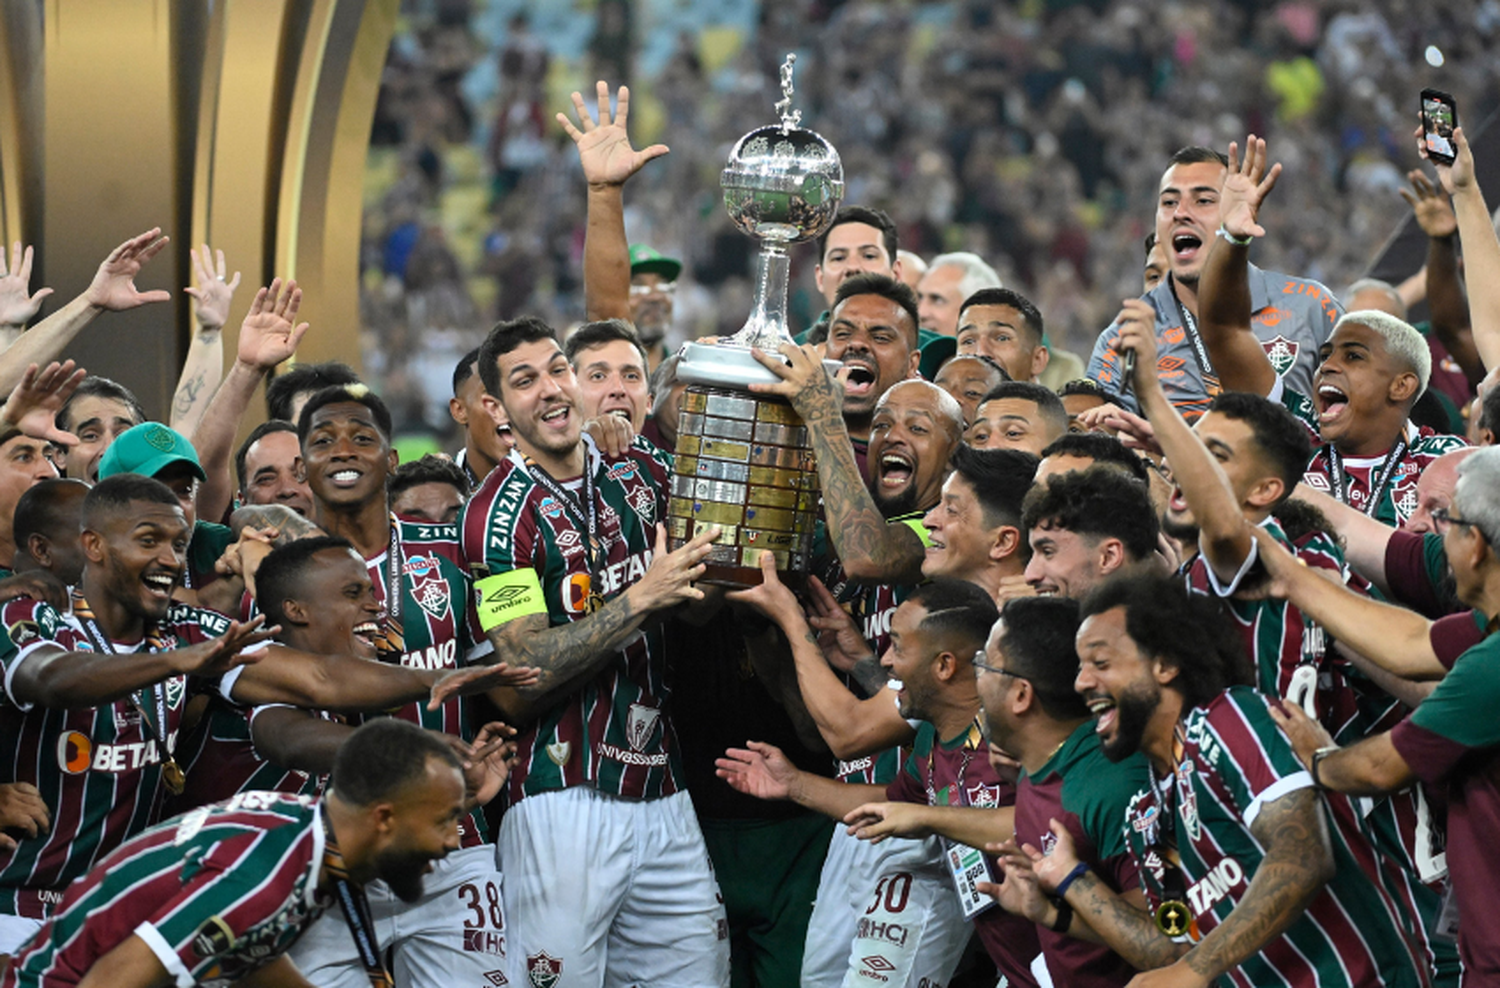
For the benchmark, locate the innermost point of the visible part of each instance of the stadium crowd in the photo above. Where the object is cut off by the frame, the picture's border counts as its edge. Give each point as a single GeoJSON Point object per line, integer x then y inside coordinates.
{"type": "Point", "coordinates": [1166, 664]}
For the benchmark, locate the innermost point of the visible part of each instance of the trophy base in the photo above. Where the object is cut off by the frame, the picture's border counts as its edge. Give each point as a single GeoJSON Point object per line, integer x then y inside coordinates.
{"type": "Point", "coordinates": [743, 465]}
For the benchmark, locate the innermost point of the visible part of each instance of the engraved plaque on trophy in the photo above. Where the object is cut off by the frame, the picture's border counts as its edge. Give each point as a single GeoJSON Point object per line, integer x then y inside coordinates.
{"type": "Point", "coordinates": [744, 462]}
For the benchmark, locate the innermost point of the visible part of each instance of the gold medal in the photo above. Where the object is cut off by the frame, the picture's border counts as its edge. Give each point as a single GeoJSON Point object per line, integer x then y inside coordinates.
{"type": "Point", "coordinates": [593, 602]}
{"type": "Point", "coordinates": [1173, 918]}
{"type": "Point", "coordinates": [173, 776]}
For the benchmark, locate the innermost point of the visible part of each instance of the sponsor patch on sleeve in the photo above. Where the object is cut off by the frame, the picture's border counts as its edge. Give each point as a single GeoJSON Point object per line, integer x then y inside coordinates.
{"type": "Point", "coordinates": [506, 596]}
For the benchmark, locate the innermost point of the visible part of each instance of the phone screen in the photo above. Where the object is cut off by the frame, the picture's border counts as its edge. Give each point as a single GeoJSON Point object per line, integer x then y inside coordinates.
{"type": "Point", "coordinates": [1439, 117]}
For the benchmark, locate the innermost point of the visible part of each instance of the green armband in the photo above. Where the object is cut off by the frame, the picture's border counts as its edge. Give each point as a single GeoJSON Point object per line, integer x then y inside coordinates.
{"type": "Point", "coordinates": [915, 524]}
{"type": "Point", "coordinates": [506, 596]}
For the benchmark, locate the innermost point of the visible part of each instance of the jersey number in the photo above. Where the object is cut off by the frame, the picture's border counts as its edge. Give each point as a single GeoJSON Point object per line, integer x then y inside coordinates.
{"type": "Point", "coordinates": [895, 890]}
{"type": "Point", "coordinates": [491, 897]}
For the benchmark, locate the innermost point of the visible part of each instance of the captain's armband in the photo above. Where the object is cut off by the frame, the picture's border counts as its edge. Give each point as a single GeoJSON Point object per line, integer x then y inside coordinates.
{"type": "Point", "coordinates": [504, 597]}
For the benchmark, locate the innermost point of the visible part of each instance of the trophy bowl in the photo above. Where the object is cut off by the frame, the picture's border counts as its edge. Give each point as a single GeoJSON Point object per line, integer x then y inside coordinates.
{"type": "Point", "coordinates": [782, 184]}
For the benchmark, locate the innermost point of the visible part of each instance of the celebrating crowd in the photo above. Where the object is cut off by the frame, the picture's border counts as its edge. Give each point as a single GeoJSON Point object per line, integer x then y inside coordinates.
{"type": "Point", "coordinates": [1167, 668]}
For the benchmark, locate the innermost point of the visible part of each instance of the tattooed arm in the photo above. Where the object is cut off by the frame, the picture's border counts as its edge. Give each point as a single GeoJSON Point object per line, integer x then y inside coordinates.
{"type": "Point", "coordinates": [870, 549]}
{"type": "Point", "coordinates": [1298, 863]}
{"type": "Point", "coordinates": [203, 370]}
{"type": "Point", "coordinates": [1121, 922]}
{"type": "Point", "coordinates": [568, 654]}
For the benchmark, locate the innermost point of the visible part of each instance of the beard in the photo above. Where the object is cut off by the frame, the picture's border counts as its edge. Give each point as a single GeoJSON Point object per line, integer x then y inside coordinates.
{"type": "Point", "coordinates": [893, 505]}
{"type": "Point", "coordinates": [1133, 712]}
{"type": "Point", "coordinates": [1184, 532]}
{"type": "Point", "coordinates": [402, 871]}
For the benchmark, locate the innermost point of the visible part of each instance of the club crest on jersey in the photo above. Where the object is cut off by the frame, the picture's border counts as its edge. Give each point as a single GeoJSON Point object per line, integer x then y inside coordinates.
{"type": "Point", "coordinates": [1282, 352]}
{"type": "Point", "coordinates": [1406, 501]}
{"type": "Point", "coordinates": [643, 501]}
{"type": "Point", "coordinates": [983, 796]}
{"type": "Point", "coordinates": [543, 970]}
{"type": "Point", "coordinates": [428, 588]}
{"type": "Point", "coordinates": [640, 724]}
{"type": "Point", "coordinates": [175, 688]}
{"type": "Point", "coordinates": [559, 751]}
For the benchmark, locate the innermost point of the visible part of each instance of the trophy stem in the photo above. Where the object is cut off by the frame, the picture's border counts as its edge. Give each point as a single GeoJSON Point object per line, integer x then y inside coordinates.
{"type": "Point", "coordinates": [767, 326]}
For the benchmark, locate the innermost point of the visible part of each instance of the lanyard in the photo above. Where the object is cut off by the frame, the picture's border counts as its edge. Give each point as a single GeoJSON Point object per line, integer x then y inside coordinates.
{"type": "Point", "coordinates": [172, 774]}
{"type": "Point", "coordinates": [971, 744]}
{"type": "Point", "coordinates": [1380, 479]}
{"type": "Point", "coordinates": [1190, 330]}
{"type": "Point", "coordinates": [1173, 917]}
{"type": "Point", "coordinates": [392, 640]}
{"type": "Point", "coordinates": [356, 910]}
{"type": "Point", "coordinates": [583, 512]}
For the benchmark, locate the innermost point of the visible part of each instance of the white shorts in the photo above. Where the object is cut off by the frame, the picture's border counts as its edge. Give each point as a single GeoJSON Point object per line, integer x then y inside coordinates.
{"type": "Point", "coordinates": [15, 931]}
{"type": "Point", "coordinates": [887, 914]}
{"type": "Point", "coordinates": [605, 891]}
{"type": "Point", "coordinates": [454, 935]}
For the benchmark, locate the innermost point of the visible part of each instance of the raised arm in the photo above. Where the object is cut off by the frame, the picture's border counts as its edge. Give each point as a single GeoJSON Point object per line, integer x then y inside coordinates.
{"type": "Point", "coordinates": [870, 549]}
{"type": "Point", "coordinates": [59, 680]}
{"type": "Point", "coordinates": [763, 771]}
{"type": "Point", "coordinates": [1224, 306]}
{"type": "Point", "coordinates": [1444, 287]}
{"type": "Point", "coordinates": [1394, 638]}
{"type": "Point", "coordinates": [1481, 248]}
{"type": "Point", "coordinates": [1223, 533]}
{"type": "Point", "coordinates": [203, 369]}
{"type": "Point", "coordinates": [608, 161]}
{"type": "Point", "coordinates": [269, 335]}
{"type": "Point", "coordinates": [1372, 767]}
{"type": "Point", "coordinates": [568, 653]}
{"type": "Point", "coordinates": [18, 306]}
{"type": "Point", "coordinates": [297, 739]}
{"type": "Point", "coordinates": [113, 290]}
{"type": "Point", "coordinates": [851, 727]}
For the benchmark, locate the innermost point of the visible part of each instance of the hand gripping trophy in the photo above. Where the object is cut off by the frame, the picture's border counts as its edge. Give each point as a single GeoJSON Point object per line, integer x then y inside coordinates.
{"type": "Point", "coordinates": [743, 460]}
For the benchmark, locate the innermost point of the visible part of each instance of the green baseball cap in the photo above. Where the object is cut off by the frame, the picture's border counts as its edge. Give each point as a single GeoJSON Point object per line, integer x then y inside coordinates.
{"type": "Point", "coordinates": [649, 260]}
{"type": "Point", "coordinates": [148, 449]}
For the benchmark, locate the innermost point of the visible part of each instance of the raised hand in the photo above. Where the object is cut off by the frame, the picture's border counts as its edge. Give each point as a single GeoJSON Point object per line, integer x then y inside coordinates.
{"type": "Point", "coordinates": [34, 403]}
{"type": "Point", "coordinates": [213, 295]}
{"type": "Point", "coordinates": [214, 658]}
{"type": "Point", "coordinates": [1457, 177]}
{"type": "Point", "coordinates": [604, 148]}
{"type": "Point", "coordinates": [1245, 188]}
{"type": "Point", "coordinates": [1433, 212]}
{"type": "Point", "coordinates": [16, 306]}
{"type": "Point", "coordinates": [612, 433]}
{"type": "Point", "coordinates": [113, 287]}
{"type": "Point", "coordinates": [760, 770]}
{"type": "Point", "coordinates": [813, 392]}
{"type": "Point", "coordinates": [481, 679]}
{"type": "Point", "coordinates": [270, 332]}
{"type": "Point", "coordinates": [838, 636]}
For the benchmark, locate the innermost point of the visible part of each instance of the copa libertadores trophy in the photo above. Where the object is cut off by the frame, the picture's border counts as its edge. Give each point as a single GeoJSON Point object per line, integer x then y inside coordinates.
{"type": "Point", "coordinates": [743, 459]}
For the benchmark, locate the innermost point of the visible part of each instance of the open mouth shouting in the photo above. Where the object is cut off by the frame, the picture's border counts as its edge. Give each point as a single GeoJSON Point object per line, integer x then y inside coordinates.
{"type": "Point", "coordinates": [896, 471]}
{"type": "Point", "coordinates": [862, 377]}
{"type": "Point", "coordinates": [1186, 246]}
{"type": "Point", "coordinates": [1332, 403]}
{"type": "Point", "coordinates": [557, 417]}
{"type": "Point", "coordinates": [364, 634]}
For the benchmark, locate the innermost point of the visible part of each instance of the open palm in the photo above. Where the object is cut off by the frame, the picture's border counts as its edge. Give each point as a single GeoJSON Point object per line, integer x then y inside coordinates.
{"type": "Point", "coordinates": [604, 148]}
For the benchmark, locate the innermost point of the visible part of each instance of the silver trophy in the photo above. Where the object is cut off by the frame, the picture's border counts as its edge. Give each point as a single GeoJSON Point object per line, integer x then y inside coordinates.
{"type": "Point", "coordinates": [743, 459]}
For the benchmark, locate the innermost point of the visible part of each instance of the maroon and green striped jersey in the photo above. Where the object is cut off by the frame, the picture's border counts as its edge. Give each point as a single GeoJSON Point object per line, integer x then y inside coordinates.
{"type": "Point", "coordinates": [1088, 794]}
{"type": "Point", "coordinates": [1398, 497]}
{"type": "Point", "coordinates": [1236, 761]}
{"type": "Point", "coordinates": [439, 629]}
{"type": "Point", "coordinates": [613, 733]}
{"type": "Point", "coordinates": [98, 769]}
{"type": "Point", "coordinates": [215, 893]}
{"type": "Point", "coordinates": [957, 772]}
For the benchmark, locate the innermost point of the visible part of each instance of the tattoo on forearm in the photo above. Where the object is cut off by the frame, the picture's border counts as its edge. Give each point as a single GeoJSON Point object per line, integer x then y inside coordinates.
{"type": "Point", "coordinates": [189, 393]}
{"type": "Point", "coordinates": [1297, 864]}
{"type": "Point", "coordinates": [1130, 932]}
{"type": "Point", "coordinates": [858, 528]}
{"type": "Point", "coordinates": [565, 652]}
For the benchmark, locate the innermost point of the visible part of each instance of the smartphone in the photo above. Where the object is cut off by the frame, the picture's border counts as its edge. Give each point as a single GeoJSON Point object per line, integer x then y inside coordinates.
{"type": "Point", "coordinates": [1439, 117]}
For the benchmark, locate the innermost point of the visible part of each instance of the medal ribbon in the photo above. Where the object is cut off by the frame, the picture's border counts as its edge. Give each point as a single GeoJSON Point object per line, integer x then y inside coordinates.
{"type": "Point", "coordinates": [1345, 494]}
{"type": "Point", "coordinates": [171, 771]}
{"type": "Point", "coordinates": [392, 639]}
{"type": "Point", "coordinates": [356, 909]}
{"type": "Point", "coordinates": [1173, 884]}
{"type": "Point", "coordinates": [971, 744]}
{"type": "Point", "coordinates": [584, 515]}
{"type": "Point", "coordinates": [1205, 365]}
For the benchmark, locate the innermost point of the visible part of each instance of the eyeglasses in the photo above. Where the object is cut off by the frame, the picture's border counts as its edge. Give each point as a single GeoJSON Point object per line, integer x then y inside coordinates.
{"type": "Point", "coordinates": [666, 288]}
{"type": "Point", "coordinates": [983, 666]}
{"type": "Point", "coordinates": [1445, 517]}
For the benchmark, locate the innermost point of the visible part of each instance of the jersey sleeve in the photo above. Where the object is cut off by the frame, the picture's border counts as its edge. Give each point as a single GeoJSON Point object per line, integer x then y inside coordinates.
{"type": "Point", "coordinates": [216, 906]}
{"type": "Point", "coordinates": [1462, 708]}
{"type": "Point", "coordinates": [1415, 566]}
{"type": "Point", "coordinates": [499, 536]}
{"type": "Point", "coordinates": [1251, 761]}
{"type": "Point", "coordinates": [1453, 635]}
{"type": "Point", "coordinates": [908, 785]}
{"type": "Point", "coordinates": [29, 625]}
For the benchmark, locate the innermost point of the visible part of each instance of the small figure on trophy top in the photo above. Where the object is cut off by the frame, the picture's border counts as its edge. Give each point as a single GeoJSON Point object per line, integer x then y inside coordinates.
{"type": "Point", "coordinates": [790, 118]}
